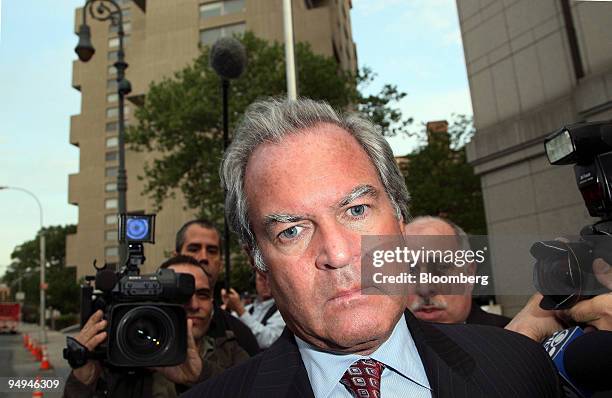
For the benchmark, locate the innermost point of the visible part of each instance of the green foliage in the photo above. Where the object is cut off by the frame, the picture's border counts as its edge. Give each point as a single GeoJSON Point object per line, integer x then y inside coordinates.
{"type": "Point", "coordinates": [442, 183]}
{"type": "Point", "coordinates": [181, 119]}
{"type": "Point", "coordinates": [63, 290]}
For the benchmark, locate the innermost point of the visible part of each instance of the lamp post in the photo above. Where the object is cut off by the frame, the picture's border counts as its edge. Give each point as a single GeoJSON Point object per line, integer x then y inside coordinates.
{"type": "Point", "coordinates": [43, 260]}
{"type": "Point", "coordinates": [103, 10]}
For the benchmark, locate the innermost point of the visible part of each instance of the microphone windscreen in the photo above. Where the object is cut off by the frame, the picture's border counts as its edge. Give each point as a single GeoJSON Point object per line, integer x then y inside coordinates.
{"type": "Point", "coordinates": [106, 280]}
{"type": "Point", "coordinates": [228, 57]}
{"type": "Point", "coordinates": [588, 360]}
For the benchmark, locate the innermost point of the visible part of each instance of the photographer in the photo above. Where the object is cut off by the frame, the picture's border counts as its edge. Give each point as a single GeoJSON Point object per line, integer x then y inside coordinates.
{"type": "Point", "coordinates": [206, 356]}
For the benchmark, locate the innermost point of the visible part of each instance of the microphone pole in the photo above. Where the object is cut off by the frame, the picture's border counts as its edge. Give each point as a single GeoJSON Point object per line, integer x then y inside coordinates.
{"type": "Point", "coordinates": [228, 59]}
{"type": "Point", "coordinates": [226, 235]}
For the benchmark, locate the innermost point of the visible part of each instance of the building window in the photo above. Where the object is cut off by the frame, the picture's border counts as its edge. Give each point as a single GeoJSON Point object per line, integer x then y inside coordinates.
{"type": "Point", "coordinates": [112, 126]}
{"type": "Point", "coordinates": [209, 36]}
{"type": "Point", "coordinates": [112, 112]}
{"type": "Point", "coordinates": [112, 70]}
{"type": "Point", "coordinates": [110, 187]}
{"type": "Point", "coordinates": [111, 156]}
{"type": "Point", "coordinates": [110, 204]}
{"type": "Point", "coordinates": [111, 251]}
{"type": "Point", "coordinates": [112, 142]}
{"type": "Point", "coordinates": [221, 8]}
{"type": "Point", "coordinates": [113, 42]}
{"type": "Point", "coordinates": [127, 27]}
{"type": "Point", "coordinates": [112, 55]}
{"type": "Point", "coordinates": [110, 172]}
{"type": "Point", "coordinates": [111, 85]}
{"type": "Point", "coordinates": [110, 219]}
{"type": "Point", "coordinates": [111, 235]}
{"type": "Point", "coordinates": [114, 97]}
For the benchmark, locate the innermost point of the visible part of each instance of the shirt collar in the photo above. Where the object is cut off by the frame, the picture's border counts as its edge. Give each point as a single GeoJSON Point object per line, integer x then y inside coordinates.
{"type": "Point", "coordinates": [398, 352]}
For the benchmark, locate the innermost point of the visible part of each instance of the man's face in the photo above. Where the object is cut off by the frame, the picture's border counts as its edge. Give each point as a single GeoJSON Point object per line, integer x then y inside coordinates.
{"type": "Point", "coordinates": [203, 244]}
{"type": "Point", "coordinates": [311, 198]}
{"type": "Point", "coordinates": [199, 308]}
{"type": "Point", "coordinates": [262, 286]}
{"type": "Point", "coordinates": [427, 304]}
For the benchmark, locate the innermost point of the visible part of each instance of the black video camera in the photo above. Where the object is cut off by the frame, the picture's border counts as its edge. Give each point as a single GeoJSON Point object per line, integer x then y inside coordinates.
{"type": "Point", "coordinates": [147, 324]}
{"type": "Point", "coordinates": [563, 272]}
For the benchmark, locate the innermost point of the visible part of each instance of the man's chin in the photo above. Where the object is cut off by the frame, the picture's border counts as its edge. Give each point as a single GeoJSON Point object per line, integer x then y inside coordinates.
{"type": "Point", "coordinates": [359, 327]}
{"type": "Point", "coordinates": [431, 315]}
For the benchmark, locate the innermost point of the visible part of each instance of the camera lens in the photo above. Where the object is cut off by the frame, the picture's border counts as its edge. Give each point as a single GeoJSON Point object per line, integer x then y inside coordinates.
{"type": "Point", "coordinates": [137, 228]}
{"type": "Point", "coordinates": [144, 333]}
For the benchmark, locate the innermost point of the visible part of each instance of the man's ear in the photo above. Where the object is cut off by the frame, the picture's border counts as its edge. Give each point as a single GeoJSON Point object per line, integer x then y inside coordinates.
{"type": "Point", "coordinates": [249, 253]}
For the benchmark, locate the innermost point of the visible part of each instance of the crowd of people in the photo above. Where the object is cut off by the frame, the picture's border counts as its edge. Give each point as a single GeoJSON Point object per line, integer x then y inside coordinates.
{"type": "Point", "coordinates": [303, 185]}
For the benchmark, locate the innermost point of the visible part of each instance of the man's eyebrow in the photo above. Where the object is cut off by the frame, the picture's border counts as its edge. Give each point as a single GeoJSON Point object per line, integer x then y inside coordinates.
{"type": "Point", "coordinates": [203, 291]}
{"type": "Point", "coordinates": [359, 191]}
{"type": "Point", "coordinates": [278, 218]}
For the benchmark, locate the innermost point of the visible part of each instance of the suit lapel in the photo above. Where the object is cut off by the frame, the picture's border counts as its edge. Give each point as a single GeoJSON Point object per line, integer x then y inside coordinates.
{"type": "Point", "coordinates": [281, 372]}
{"type": "Point", "coordinates": [448, 367]}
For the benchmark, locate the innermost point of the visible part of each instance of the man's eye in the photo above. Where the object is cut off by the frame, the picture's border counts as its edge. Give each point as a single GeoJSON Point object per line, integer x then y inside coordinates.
{"type": "Point", "coordinates": [290, 233]}
{"type": "Point", "coordinates": [357, 211]}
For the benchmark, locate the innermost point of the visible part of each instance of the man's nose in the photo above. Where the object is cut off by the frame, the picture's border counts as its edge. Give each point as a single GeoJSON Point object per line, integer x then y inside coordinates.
{"type": "Point", "coordinates": [192, 304]}
{"type": "Point", "coordinates": [336, 246]}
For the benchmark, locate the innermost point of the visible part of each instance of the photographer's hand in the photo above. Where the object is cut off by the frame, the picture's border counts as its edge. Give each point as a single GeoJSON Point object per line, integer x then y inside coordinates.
{"type": "Point", "coordinates": [189, 371]}
{"type": "Point", "coordinates": [232, 301]}
{"type": "Point", "coordinates": [91, 336]}
{"type": "Point", "coordinates": [596, 311]}
{"type": "Point", "coordinates": [534, 322]}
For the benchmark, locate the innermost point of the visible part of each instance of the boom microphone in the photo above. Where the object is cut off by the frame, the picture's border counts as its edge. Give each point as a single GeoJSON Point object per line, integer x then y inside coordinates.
{"type": "Point", "coordinates": [228, 58]}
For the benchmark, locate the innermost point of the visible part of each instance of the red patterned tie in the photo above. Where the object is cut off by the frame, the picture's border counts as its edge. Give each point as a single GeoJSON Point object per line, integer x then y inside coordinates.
{"type": "Point", "coordinates": [362, 378]}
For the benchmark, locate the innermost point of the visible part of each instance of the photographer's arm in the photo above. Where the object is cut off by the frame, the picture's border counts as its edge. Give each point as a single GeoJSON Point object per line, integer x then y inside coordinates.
{"type": "Point", "coordinates": [534, 322]}
{"type": "Point", "coordinates": [82, 381]}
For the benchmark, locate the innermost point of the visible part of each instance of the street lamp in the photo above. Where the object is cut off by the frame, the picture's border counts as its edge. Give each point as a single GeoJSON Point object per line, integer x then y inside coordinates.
{"type": "Point", "coordinates": [43, 260]}
{"type": "Point", "coordinates": [103, 10]}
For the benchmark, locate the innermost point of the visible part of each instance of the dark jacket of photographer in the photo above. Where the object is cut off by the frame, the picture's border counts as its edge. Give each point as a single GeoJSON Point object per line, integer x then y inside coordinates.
{"type": "Point", "coordinates": [218, 354]}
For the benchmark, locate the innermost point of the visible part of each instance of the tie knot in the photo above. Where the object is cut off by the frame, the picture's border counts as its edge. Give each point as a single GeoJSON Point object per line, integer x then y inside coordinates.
{"type": "Point", "coordinates": [362, 378]}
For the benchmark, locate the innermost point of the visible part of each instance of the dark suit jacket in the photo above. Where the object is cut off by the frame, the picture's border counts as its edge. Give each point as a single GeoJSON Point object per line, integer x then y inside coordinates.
{"type": "Point", "coordinates": [480, 317]}
{"type": "Point", "coordinates": [460, 361]}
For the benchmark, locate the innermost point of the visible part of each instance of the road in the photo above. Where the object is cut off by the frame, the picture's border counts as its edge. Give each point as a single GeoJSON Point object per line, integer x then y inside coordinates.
{"type": "Point", "coordinates": [17, 361]}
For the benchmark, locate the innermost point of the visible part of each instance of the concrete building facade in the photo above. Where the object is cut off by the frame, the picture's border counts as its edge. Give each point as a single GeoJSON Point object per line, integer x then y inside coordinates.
{"type": "Point", "coordinates": [163, 37]}
{"type": "Point", "coordinates": [533, 66]}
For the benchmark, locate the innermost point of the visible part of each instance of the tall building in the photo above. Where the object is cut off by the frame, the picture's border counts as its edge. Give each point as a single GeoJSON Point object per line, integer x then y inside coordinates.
{"type": "Point", "coordinates": [163, 37]}
{"type": "Point", "coordinates": [533, 66]}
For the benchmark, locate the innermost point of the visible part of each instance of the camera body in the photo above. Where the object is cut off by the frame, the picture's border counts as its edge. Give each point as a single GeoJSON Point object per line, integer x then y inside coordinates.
{"type": "Point", "coordinates": [147, 324]}
{"type": "Point", "coordinates": [563, 272]}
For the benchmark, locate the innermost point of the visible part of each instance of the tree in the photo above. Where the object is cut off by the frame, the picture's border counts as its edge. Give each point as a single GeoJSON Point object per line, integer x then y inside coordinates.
{"type": "Point", "coordinates": [442, 183]}
{"type": "Point", "coordinates": [61, 279]}
{"type": "Point", "coordinates": [180, 119]}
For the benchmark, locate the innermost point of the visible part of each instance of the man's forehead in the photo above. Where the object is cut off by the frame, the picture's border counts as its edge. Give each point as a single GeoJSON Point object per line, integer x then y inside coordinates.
{"type": "Point", "coordinates": [196, 230]}
{"type": "Point", "coordinates": [307, 170]}
{"type": "Point", "coordinates": [197, 271]}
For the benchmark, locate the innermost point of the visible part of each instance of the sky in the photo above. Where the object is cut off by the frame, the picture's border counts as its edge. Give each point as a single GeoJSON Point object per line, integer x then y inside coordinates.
{"type": "Point", "coordinates": [414, 44]}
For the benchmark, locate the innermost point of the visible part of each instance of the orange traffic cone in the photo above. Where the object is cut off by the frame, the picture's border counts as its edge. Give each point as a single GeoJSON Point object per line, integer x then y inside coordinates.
{"type": "Point", "coordinates": [33, 347]}
{"type": "Point", "coordinates": [44, 364]}
{"type": "Point", "coordinates": [38, 353]}
{"type": "Point", "coordinates": [37, 393]}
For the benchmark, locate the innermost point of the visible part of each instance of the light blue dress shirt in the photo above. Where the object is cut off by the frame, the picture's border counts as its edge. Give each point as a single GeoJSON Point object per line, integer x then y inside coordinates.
{"type": "Point", "coordinates": [403, 375]}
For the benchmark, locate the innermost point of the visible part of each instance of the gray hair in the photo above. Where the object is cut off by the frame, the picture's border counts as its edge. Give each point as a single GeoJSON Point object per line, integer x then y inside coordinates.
{"type": "Point", "coordinates": [462, 238]}
{"type": "Point", "coordinates": [269, 121]}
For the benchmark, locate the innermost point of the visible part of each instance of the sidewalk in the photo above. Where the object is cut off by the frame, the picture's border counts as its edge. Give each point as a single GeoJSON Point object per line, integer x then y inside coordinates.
{"type": "Point", "coordinates": [56, 342]}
